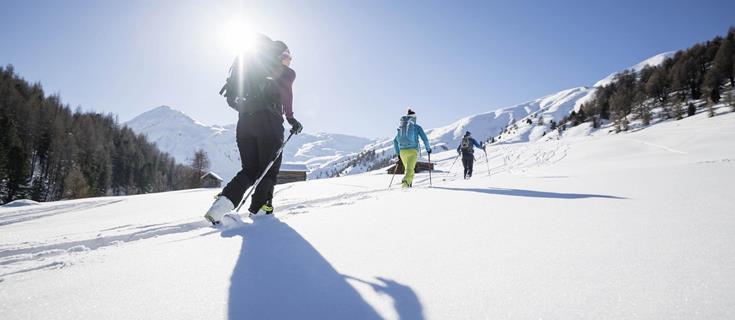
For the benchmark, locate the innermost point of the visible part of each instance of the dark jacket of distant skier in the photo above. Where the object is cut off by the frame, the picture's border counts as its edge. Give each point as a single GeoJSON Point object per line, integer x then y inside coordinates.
{"type": "Point", "coordinates": [406, 145]}
{"type": "Point", "coordinates": [467, 149]}
{"type": "Point", "coordinates": [259, 88]}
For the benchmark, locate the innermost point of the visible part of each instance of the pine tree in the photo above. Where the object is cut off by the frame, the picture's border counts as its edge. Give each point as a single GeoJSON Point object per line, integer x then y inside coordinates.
{"type": "Point", "coordinates": [658, 85]}
{"type": "Point", "coordinates": [712, 84]}
{"type": "Point", "coordinates": [678, 110]}
{"type": "Point", "coordinates": [581, 117]}
{"type": "Point", "coordinates": [691, 110]}
{"type": "Point", "coordinates": [724, 61]}
{"type": "Point", "coordinates": [625, 124]}
{"type": "Point", "coordinates": [642, 109]}
{"type": "Point", "coordinates": [200, 164]}
{"type": "Point", "coordinates": [730, 100]}
{"type": "Point", "coordinates": [75, 185]}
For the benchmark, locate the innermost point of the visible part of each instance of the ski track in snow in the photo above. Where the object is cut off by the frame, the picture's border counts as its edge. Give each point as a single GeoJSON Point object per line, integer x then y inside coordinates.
{"type": "Point", "coordinates": [518, 159]}
{"type": "Point", "coordinates": [512, 158]}
{"type": "Point", "coordinates": [39, 252]}
{"type": "Point", "coordinates": [651, 144]}
{"type": "Point", "coordinates": [503, 158]}
{"type": "Point", "coordinates": [43, 251]}
{"type": "Point", "coordinates": [33, 213]}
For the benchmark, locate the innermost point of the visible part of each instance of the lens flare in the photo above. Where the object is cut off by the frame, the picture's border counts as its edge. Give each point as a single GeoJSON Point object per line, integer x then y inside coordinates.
{"type": "Point", "coordinates": [237, 37]}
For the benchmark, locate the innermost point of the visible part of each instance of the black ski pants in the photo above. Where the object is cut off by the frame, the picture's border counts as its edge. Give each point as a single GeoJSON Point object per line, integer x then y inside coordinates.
{"type": "Point", "coordinates": [259, 136]}
{"type": "Point", "coordinates": [468, 160]}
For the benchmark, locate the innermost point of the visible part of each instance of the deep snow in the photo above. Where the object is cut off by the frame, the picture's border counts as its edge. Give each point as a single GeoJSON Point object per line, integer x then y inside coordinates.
{"type": "Point", "coordinates": [621, 226]}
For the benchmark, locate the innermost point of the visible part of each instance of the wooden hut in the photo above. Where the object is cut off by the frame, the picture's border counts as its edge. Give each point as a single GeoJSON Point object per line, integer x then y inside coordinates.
{"type": "Point", "coordinates": [211, 180]}
{"type": "Point", "coordinates": [420, 167]}
{"type": "Point", "coordinates": [292, 172]}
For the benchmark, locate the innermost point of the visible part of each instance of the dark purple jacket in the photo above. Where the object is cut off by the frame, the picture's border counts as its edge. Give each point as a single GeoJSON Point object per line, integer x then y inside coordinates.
{"type": "Point", "coordinates": [285, 84]}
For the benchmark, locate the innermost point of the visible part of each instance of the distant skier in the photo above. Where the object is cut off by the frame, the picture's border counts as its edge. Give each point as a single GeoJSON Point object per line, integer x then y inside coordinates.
{"type": "Point", "coordinates": [259, 88]}
{"type": "Point", "coordinates": [467, 150]}
{"type": "Point", "coordinates": [406, 145]}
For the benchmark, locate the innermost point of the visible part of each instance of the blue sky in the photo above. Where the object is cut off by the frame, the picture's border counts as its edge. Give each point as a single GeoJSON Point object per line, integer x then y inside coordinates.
{"type": "Point", "coordinates": [358, 64]}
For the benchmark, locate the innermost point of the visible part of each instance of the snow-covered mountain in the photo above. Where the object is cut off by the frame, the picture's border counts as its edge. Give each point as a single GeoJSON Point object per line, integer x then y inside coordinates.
{"type": "Point", "coordinates": [180, 135]}
{"type": "Point", "coordinates": [329, 155]}
{"type": "Point", "coordinates": [509, 124]}
{"type": "Point", "coordinates": [652, 62]}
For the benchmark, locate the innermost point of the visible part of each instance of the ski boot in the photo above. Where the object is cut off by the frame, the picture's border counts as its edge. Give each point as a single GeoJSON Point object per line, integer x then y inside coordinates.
{"type": "Point", "coordinates": [264, 211]}
{"type": "Point", "coordinates": [219, 208]}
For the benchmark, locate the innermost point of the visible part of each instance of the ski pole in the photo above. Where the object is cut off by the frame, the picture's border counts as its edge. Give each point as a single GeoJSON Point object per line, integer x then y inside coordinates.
{"type": "Point", "coordinates": [487, 161]}
{"type": "Point", "coordinates": [262, 175]}
{"type": "Point", "coordinates": [395, 168]}
{"type": "Point", "coordinates": [430, 169]}
{"type": "Point", "coordinates": [449, 172]}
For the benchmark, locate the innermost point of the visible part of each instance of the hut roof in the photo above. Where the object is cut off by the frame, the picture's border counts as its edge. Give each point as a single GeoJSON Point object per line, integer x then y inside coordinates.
{"type": "Point", "coordinates": [298, 167]}
{"type": "Point", "coordinates": [213, 175]}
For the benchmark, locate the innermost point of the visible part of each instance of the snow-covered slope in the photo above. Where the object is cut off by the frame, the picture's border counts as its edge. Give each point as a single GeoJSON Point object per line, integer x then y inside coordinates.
{"type": "Point", "coordinates": [636, 225]}
{"type": "Point", "coordinates": [652, 62]}
{"type": "Point", "coordinates": [180, 135]}
{"type": "Point", "coordinates": [487, 125]}
{"type": "Point", "coordinates": [509, 123]}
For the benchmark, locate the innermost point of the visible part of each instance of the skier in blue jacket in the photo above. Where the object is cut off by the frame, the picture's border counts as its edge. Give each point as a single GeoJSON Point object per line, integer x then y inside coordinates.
{"type": "Point", "coordinates": [467, 150]}
{"type": "Point", "coordinates": [406, 145]}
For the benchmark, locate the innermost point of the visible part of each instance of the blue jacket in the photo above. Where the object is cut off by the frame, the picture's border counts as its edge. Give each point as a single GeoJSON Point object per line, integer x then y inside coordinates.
{"type": "Point", "coordinates": [408, 135]}
{"type": "Point", "coordinates": [472, 142]}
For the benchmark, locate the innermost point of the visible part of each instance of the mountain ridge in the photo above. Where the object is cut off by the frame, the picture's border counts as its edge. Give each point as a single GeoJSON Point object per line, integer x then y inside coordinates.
{"type": "Point", "coordinates": [329, 154]}
{"type": "Point", "coordinates": [178, 134]}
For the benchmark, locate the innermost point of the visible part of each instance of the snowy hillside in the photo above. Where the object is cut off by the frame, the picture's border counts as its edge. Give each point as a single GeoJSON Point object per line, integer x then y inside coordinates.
{"type": "Point", "coordinates": [334, 154]}
{"type": "Point", "coordinates": [651, 62]}
{"type": "Point", "coordinates": [636, 225]}
{"type": "Point", "coordinates": [487, 125]}
{"type": "Point", "coordinates": [179, 135]}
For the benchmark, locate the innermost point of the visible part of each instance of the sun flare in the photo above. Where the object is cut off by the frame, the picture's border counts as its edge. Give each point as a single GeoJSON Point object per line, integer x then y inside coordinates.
{"type": "Point", "coordinates": [237, 37]}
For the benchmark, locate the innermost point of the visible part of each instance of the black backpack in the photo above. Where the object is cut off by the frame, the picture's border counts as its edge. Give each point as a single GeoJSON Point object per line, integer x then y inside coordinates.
{"type": "Point", "coordinates": [466, 145]}
{"type": "Point", "coordinates": [250, 86]}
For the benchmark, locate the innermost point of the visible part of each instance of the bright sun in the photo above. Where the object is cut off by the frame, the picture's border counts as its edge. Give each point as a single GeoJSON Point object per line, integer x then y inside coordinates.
{"type": "Point", "coordinates": [237, 37]}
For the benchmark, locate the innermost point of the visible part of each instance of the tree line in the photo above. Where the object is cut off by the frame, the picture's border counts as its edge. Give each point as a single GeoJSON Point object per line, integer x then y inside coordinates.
{"type": "Point", "coordinates": [48, 152]}
{"type": "Point", "coordinates": [692, 78]}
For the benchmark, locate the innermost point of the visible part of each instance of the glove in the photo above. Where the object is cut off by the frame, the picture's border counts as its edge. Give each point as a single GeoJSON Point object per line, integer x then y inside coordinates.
{"type": "Point", "coordinates": [428, 151]}
{"type": "Point", "coordinates": [296, 126]}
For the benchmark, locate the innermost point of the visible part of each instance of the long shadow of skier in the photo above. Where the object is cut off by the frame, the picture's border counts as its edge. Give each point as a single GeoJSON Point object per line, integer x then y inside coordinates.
{"type": "Point", "coordinates": [530, 193]}
{"type": "Point", "coordinates": [279, 275]}
{"type": "Point", "coordinates": [405, 300]}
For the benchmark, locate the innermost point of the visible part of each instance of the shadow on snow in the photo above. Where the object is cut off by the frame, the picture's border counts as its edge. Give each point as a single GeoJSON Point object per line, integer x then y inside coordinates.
{"type": "Point", "coordinates": [530, 193]}
{"type": "Point", "coordinates": [279, 275]}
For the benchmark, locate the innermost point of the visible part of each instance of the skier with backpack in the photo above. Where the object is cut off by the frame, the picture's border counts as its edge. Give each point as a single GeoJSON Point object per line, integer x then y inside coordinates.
{"type": "Point", "coordinates": [406, 145]}
{"type": "Point", "coordinates": [467, 150]}
{"type": "Point", "coordinates": [259, 87]}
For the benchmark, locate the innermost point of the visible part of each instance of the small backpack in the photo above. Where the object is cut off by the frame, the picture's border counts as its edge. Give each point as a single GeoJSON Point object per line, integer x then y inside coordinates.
{"type": "Point", "coordinates": [250, 86]}
{"type": "Point", "coordinates": [407, 131]}
{"type": "Point", "coordinates": [466, 145]}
